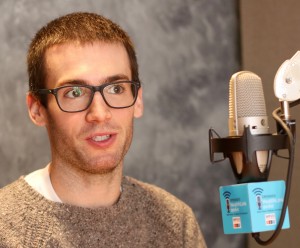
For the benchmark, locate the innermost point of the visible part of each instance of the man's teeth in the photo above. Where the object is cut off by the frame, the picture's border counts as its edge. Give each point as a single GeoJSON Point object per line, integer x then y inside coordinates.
{"type": "Point", "coordinates": [101, 138]}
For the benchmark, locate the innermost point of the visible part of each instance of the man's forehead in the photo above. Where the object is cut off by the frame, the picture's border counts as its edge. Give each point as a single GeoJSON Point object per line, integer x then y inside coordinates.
{"type": "Point", "coordinates": [93, 62]}
{"type": "Point", "coordinates": [82, 44]}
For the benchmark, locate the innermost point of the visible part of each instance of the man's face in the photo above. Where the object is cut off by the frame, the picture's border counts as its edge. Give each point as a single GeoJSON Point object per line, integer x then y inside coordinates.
{"type": "Point", "coordinates": [97, 139]}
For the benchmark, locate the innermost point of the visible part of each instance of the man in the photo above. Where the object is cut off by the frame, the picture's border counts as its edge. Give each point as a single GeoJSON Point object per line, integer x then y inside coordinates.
{"type": "Point", "coordinates": [85, 89]}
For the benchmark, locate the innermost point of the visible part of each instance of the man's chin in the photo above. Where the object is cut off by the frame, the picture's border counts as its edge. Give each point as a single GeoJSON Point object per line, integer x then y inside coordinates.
{"type": "Point", "coordinates": [101, 169]}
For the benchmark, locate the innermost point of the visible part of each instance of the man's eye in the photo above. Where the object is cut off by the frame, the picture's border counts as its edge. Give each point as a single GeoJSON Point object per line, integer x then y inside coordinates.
{"type": "Point", "coordinates": [115, 89]}
{"type": "Point", "coordinates": [74, 92]}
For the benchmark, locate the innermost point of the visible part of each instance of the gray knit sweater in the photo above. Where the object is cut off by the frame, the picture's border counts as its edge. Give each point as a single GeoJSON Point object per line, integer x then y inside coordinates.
{"type": "Point", "coordinates": [144, 216]}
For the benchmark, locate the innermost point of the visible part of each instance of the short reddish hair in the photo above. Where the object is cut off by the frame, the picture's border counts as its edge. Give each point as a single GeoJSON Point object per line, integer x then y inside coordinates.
{"type": "Point", "coordinates": [76, 27]}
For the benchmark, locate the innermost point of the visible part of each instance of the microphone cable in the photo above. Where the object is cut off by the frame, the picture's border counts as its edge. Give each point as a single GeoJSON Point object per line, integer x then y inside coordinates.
{"type": "Point", "coordinates": [291, 150]}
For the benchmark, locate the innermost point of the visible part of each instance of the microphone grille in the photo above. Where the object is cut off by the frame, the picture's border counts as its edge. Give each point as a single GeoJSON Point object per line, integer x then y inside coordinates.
{"type": "Point", "coordinates": [246, 95]}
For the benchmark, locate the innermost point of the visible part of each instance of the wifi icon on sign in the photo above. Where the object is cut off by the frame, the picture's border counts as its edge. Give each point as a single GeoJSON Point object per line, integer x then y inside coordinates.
{"type": "Point", "coordinates": [257, 191]}
{"type": "Point", "coordinates": [226, 194]}
{"type": "Point", "coordinates": [259, 202]}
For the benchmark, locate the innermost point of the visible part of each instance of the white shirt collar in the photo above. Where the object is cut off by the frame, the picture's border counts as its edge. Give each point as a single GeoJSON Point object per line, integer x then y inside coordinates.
{"type": "Point", "coordinates": [40, 181]}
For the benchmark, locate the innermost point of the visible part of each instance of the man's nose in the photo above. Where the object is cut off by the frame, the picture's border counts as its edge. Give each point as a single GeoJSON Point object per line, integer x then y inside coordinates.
{"type": "Point", "coordinates": [98, 111]}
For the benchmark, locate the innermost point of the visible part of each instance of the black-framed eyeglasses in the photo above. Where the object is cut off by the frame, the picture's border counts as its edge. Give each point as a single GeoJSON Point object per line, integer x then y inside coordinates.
{"type": "Point", "coordinates": [77, 98]}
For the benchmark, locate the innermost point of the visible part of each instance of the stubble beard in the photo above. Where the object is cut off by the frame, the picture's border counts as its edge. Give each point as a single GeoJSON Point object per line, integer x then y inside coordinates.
{"type": "Point", "coordinates": [64, 153]}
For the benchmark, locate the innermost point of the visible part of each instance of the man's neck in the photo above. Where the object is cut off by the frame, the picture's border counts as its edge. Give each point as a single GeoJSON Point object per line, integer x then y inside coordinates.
{"type": "Point", "coordinates": [84, 189]}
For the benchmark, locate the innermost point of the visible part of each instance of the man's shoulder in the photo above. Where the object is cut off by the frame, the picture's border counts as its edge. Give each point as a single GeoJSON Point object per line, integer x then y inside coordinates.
{"type": "Point", "coordinates": [11, 188]}
{"type": "Point", "coordinates": [163, 210]}
{"type": "Point", "coordinates": [149, 188]}
{"type": "Point", "coordinates": [12, 211]}
{"type": "Point", "coordinates": [154, 195]}
{"type": "Point", "coordinates": [11, 193]}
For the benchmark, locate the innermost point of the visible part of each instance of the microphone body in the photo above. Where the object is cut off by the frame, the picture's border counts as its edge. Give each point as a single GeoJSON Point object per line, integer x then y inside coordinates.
{"type": "Point", "coordinates": [254, 204]}
{"type": "Point", "coordinates": [247, 108]}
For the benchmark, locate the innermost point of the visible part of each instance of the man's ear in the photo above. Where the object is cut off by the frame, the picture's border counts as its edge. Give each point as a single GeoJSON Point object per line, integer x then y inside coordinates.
{"type": "Point", "coordinates": [139, 105]}
{"type": "Point", "coordinates": [36, 110]}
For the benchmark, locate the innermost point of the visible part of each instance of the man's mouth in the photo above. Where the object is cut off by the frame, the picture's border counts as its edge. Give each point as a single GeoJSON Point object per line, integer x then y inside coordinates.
{"type": "Point", "coordinates": [101, 138]}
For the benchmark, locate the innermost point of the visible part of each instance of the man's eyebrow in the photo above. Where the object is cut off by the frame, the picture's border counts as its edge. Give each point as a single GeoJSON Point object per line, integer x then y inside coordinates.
{"type": "Point", "coordinates": [73, 82]}
{"type": "Point", "coordinates": [109, 79]}
{"type": "Point", "coordinates": [116, 78]}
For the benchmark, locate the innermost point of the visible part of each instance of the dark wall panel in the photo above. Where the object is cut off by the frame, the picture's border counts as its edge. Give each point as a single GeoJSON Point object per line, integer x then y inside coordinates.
{"type": "Point", "coordinates": [270, 34]}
